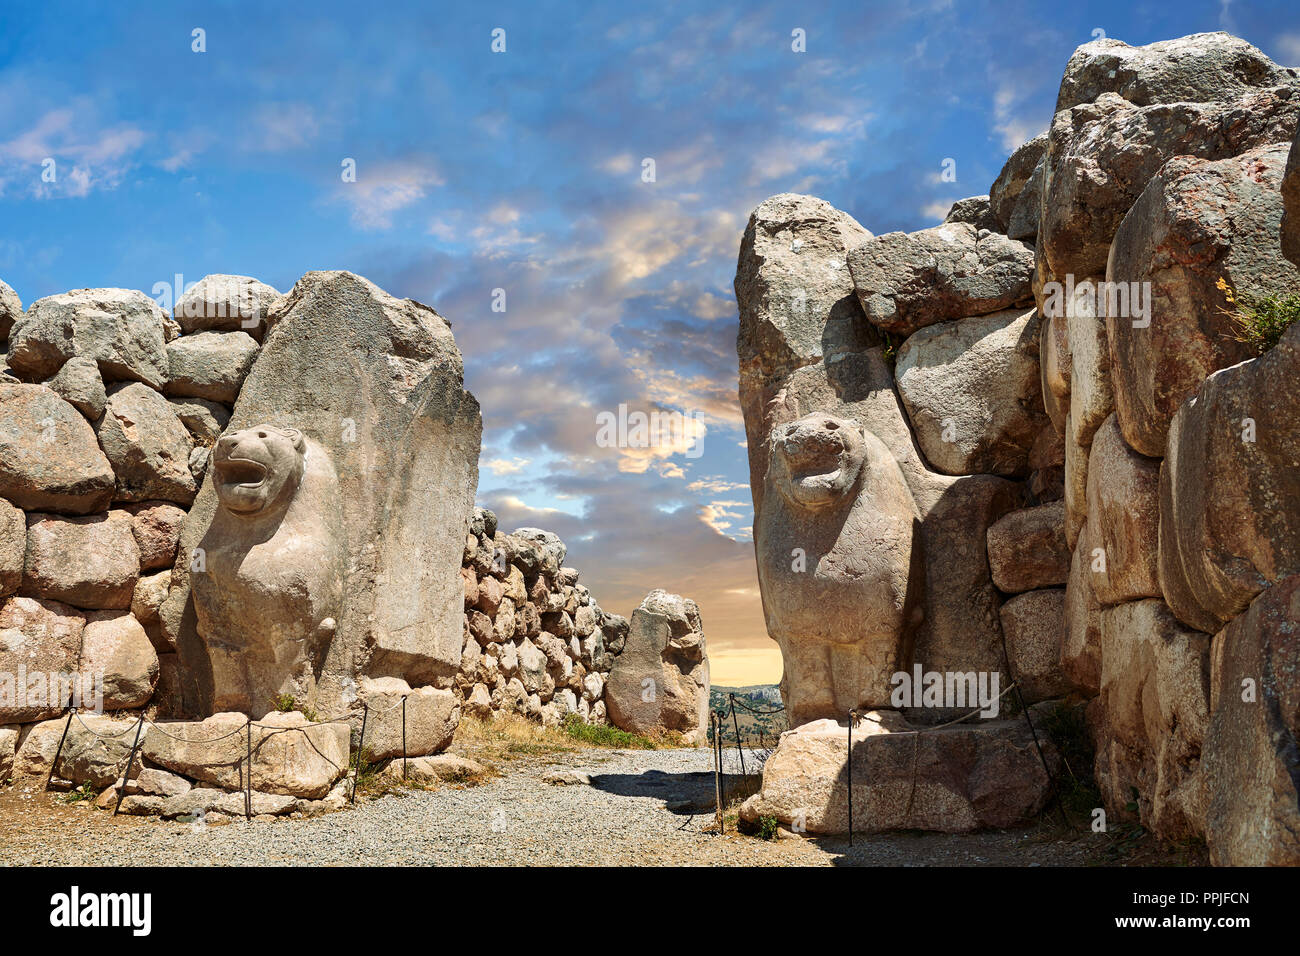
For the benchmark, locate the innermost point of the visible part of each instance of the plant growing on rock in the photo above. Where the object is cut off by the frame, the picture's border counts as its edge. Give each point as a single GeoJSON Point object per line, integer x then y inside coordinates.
{"type": "Point", "coordinates": [1259, 320]}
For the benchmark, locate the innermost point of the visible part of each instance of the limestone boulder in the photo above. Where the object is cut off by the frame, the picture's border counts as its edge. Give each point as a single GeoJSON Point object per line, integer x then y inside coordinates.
{"type": "Point", "coordinates": [11, 309]}
{"type": "Point", "coordinates": [225, 303]}
{"type": "Point", "coordinates": [906, 281]}
{"type": "Point", "coordinates": [1027, 548]}
{"type": "Point", "coordinates": [13, 547]}
{"type": "Point", "coordinates": [40, 644]}
{"type": "Point", "coordinates": [8, 748]}
{"type": "Point", "coordinates": [796, 296]}
{"type": "Point", "coordinates": [973, 393]}
{"type": "Point", "coordinates": [1200, 68]}
{"type": "Point", "coordinates": [291, 755]}
{"type": "Point", "coordinates": [1102, 155]}
{"type": "Point", "coordinates": [147, 445]}
{"type": "Point", "coordinates": [95, 751]}
{"type": "Point", "coordinates": [1195, 224]}
{"type": "Point", "coordinates": [406, 466]}
{"type": "Point", "coordinates": [953, 780]}
{"type": "Point", "coordinates": [1091, 395]}
{"type": "Point", "coordinates": [1034, 625]}
{"type": "Point", "coordinates": [146, 600]}
{"type": "Point", "coordinates": [1123, 517]}
{"type": "Point", "coordinates": [80, 385]}
{"type": "Point", "coordinates": [432, 770]}
{"type": "Point", "coordinates": [88, 562]}
{"type": "Point", "coordinates": [204, 420]}
{"type": "Point", "coordinates": [156, 526]}
{"type": "Point", "coordinates": [1150, 719]}
{"type": "Point", "coordinates": [210, 365]}
{"type": "Point", "coordinates": [539, 552]}
{"type": "Point", "coordinates": [49, 458]}
{"type": "Point", "coordinates": [1229, 491]}
{"type": "Point", "coordinates": [1081, 651]}
{"type": "Point", "coordinates": [122, 330]}
{"type": "Point", "coordinates": [1055, 366]}
{"type": "Point", "coordinates": [976, 210]}
{"type": "Point", "coordinates": [431, 718]}
{"type": "Point", "coordinates": [1013, 195]}
{"type": "Point", "coordinates": [1076, 483]}
{"type": "Point", "coordinates": [1291, 204]}
{"type": "Point", "coordinates": [1250, 757]}
{"type": "Point", "coordinates": [116, 652]}
{"type": "Point", "coordinates": [661, 680]}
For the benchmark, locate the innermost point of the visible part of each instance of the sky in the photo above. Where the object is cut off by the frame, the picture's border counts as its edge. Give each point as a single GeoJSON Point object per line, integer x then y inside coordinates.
{"type": "Point", "coordinates": [509, 188]}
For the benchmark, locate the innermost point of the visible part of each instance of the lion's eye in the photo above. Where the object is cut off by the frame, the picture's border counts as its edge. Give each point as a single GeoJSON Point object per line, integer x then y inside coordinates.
{"type": "Point", "coordinates": [261, 434]}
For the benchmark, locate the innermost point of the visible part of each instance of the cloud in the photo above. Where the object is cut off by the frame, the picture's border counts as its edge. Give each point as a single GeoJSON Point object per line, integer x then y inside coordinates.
{"type": "Point", "coordinates": [66, 153]}
{"type": "Point", "coordinates": [385, 188]}
{"type": "Point", "coordinates": [500, 466]}
{"type": "Point", "coordinates": [281, 127]}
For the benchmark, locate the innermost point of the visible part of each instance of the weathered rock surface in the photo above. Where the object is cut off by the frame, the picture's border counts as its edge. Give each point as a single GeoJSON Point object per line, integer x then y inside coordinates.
{"type": "Point", "coordinates": [224, 303]}
{"type": "Point", "coordinates": [953, 780]}
{"type": "Point", "coordinates": [1055, 369]}
{"type": "Point", "coordinates": [431, 718]}
{"type": "Point", "coordinates": [406, 461]}
{"type": "Point", "coordinates": [1291, 204]}
{"type": "Point", "coordinates": [1081, 653]}
{"type": "Point", "coordinates": [1034, 625]}
{"type": "Point", "coordinates": [1229, 489]}
{"type": "Point", "coordinates": [795, 292]}
{"type": "Point", "coordinates": [1195, 224]}
{"type": "Point", "coordinates": [147, 445]}
{"type": "Point", "coordinates": [13, 547]}
{"type": "Point", "coordinates": [95, 752]}
{"type": "Point", "coordinates": [38, 640]}
{"type": "Point", "coordinates": [291, 755]}
{"type": "Point", "coordinates": [211, 365]}
{"type": "Point", "coordinates": [1027, 548]}
{"type": "Point", "coordinates": [439, 768]}
{"type": "Point", "coordinates": [1150, 719]}
{"type": "Point", "coordinates": [661, 680]}
{"type": "Point", "coordinates": [1123, 517]}
{"type": "Point", "coordinates": [121, 329]}
{"type": "Point", "coordinates": [1013, 195]}
{"type": "Point", "coordinates": [49, 459]}
{"type": "Point", "coordinates": [11, 309]}
{"type": "Point", "coordinates": [835, 544]}
{"type": "Point", "coordinates": [88, 562]}
{"type": "Point", "coordinates": [1199, 68]}
{"type": "Point", "coordinates": [1250, 758]}
{"type": "Point", "coordinates": [973, 393]}
{"type": "Point", "coordinates": [906, 281]}
{"type": "Point", "coordinates": [80, 385]}
{"type": "Point", "coordinates": [156, 526]}
{"type": "Point", "coordinates": [204, 420]}
{"type": "Point", "coordinates": [1102, 155]}
{"type": "Point", "coordinates": [116, 651]}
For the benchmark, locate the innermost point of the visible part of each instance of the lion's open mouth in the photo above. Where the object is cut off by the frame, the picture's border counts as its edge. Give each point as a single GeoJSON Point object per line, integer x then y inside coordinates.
{"type": "Point", "coordinates": [243, 472]}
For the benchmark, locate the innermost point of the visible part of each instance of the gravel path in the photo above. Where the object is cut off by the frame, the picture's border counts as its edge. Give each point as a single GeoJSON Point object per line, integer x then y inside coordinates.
{"type": "Point", "coordinates": [622, 818]}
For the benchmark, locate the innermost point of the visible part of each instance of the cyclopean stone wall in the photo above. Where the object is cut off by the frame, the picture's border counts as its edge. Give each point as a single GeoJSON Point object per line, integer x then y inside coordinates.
{"type": "Point", "coordinates": [1110, 491]}
{"type": "Point", "coordinates": [255, 504]}
{"type": "Point", "coordinates": [535, 643]}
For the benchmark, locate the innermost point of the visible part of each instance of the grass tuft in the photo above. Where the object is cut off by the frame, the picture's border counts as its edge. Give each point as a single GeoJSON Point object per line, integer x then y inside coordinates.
{"type": "Point", "coordinates": [1259, 320]}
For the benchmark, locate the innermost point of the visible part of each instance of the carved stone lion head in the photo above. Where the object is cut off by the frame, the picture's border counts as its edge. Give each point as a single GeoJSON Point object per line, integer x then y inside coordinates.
{"type": "Point", "coordinates": [258, 468]}
{"type": "Point", "coordinates": [816, 459]}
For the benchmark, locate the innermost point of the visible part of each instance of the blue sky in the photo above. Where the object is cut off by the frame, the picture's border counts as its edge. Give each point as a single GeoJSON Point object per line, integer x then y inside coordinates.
{"type": "Point", "coordinates": [522, 171]}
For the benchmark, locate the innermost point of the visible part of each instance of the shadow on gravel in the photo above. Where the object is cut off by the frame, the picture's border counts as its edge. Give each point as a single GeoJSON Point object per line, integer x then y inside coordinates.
{"type": "Point", "coordinates": [680, 792]}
